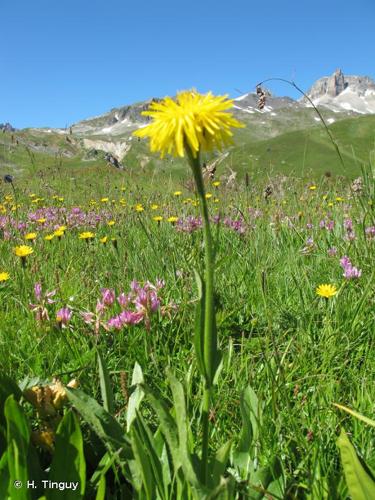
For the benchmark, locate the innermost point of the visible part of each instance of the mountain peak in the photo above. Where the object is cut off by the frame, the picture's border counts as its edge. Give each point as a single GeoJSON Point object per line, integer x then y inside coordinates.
{"type": "Point", "coordinates": [338, 92]}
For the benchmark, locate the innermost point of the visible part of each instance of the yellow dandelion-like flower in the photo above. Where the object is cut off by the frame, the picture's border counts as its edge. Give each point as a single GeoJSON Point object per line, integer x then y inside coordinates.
{"type": "Point", "coordinates": [49, 237]}
{"type": "Point", "coordinates": [338, 198]}
{"type": "Point", "coordinates": [139, 208]}
{"type": "Point", "coordinates": [208, 196]}
{"type": "Point", "coordinates": [59, 233]}
{"type": "Point", "coordinates": [154, 206]}
{"type": "Point", "coordinates": [60, 198]}
{"type": "Point", "coordinates": [62, 228]}
{"type": "Point", "coordinates": [42, 220]}
{"type": "Point", "coordinates": [197, 120]}
{"type": "Point", "coordinates": [177, 193]}
{"type": "Point", "coordinates": [4, 276]}
{"type": "Point", "coordinates": [104, 200]}
{"type": "Point", "coordinates": [111, 223]}
{"type": "Point", "coordinates": [312, 188]}
{"type": "Point", "coordinates": [23, 251]}
{"type": "Point", "coordinates": [30, 236]}
{"type": "Point", "coordinates": [104, 240]}
{"type": "Point", "coordinates": [86, 235]}
{"type": "Point", "coordinates": [326, 291]}
{"type": "Point", "coordinates": [216, 183]}
{"type": "Point", "coordinates": [157, 218]}
{"type": "Point", "coordinates": [172, 219]}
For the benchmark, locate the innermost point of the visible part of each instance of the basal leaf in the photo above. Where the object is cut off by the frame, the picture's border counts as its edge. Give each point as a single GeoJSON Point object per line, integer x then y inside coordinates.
{"type": "Point", "coordinates": [361, 486]}
{"type": "Point", "coordinates": [68, 462]}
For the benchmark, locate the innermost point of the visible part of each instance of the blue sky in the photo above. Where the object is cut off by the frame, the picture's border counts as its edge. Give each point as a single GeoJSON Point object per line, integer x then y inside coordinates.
{"type": "Point", "coordinates": [65, 60]}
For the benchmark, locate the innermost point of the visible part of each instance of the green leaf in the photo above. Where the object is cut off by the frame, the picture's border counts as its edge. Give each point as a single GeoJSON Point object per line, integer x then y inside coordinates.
{"type": "Point", "coordinates": [4, 475]}
{"type": "Point", "coordinates": [18, 438]}
{"type": "Point", "coordinates": [220, 463]}
{"type": "Point", "coordinates": [361, 486]}
{"type": "Point", "coordinates": [181, 420]}
{"type": "Point", "coordinates": [150, 446]}
{"type": "Point", "coordinates": [68, 462]}
{"type": "Point", "coordinates": [100, 494]}
{"type": "Point", "coordinates": [102, 422]}
{"type": "Point", "coordinates": [136, 397]}
{"type": "Point", "coordinates": [250, 415]}
{"type": "Point", "coordinates": [143, 464]}
{"type": "Point", "coordinates": [7, 387]}
{"type": "Point", "coordinates": [199, 324]}
{"type": "Point", "coordinates": [105, 386]}
{"type": "Point", "coordinates": [356, 414]}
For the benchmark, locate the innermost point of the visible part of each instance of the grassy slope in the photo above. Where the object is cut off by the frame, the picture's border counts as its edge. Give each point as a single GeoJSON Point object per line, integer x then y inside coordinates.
{"type": "Point", "coordinates": [303, 153]}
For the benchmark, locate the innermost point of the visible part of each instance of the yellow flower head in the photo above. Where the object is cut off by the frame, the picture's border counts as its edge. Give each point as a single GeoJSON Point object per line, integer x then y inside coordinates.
{"type": "Point", "coordinates": [41, 220]}
{"type": "Point", "coordinates": [23, 251]}
{"type": "Point", "coordinates": [30, 236]}
{"type": "Point", "coordinates": [104, 240]}
{"type": "Point", "coordinates": [86, 235]}
{"type": "Point", "coordinates": [4, 276]}
{"type": "Point", "coordinates": [312, 188]}
{"type": "Point", "coordinates": [216, 183]}
{"type": "Point", "coordinates": [177, 193]}
{"type": "Point", "coordinates": [154, 206]}
{"type": "Point", "coordinates": [172, 219]}
{"type": "Point", "coordinates": [111, 223]}
{"type": "Point", "coordinates": [157, 218]}
{"type": "Point", "coordinates": [49, 237]}
{"type": "Point", "coordinates": [326, 291]}
{"type": "Point", "coordinates": [198, 121]}
{"type": "Point", "coordinates": [58, 233]}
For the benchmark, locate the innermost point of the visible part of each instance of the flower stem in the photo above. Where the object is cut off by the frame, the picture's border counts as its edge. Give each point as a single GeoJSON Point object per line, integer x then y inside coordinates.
{"type": "Point", "coordinates": [210, 338]}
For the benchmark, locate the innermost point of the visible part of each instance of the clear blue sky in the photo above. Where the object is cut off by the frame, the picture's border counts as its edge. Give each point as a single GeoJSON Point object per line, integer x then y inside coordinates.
{"type": "Point", "coordinates": [65, 60]}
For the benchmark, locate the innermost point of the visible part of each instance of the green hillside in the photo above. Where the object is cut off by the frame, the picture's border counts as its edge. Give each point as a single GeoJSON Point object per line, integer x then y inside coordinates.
{"type": "Point", "coordinates": [301, 153]}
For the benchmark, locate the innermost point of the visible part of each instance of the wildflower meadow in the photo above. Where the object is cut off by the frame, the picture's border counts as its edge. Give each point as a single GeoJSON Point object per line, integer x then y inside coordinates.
{"type": "Point", "coordinates": [187, 338]}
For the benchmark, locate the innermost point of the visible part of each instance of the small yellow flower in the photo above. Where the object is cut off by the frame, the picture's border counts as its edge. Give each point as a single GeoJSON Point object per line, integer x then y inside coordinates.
{"type": "Point", "coordinates": [104, 240]}
{"type": "Point", "coordinates": [177, 193]}
{"type": "Point", "coordinates": [59, 233]}
{"type": "Point", "coordinates": [326, 291]}
{"type": "Point", "coordinates": [312, 188]}
{"type": "Point", "coordinates": [325, 196]}
{"type": "Point", "coordinates": [330, 204]}
{"type": "Point", "coordinates": [111, 223]}
{"type": "Point", "coordinates": [338, 198]}
{"type": "Point", "coordinates": [154, 206]}
{"type": "Point", "coordinates": [61, 228]}
{"type": "Point", "coordinates": [216, 200]}
{"type": "Point", "coordinates": [216, 184]}
{"type": "Point", "coordinates": [104, 200]}
{"type": "Point", "coordinates": [32, 195]}
{"type": "Point", "coordinates": [157, 218]}
{"type": "Point", "coordinates": [30, 236]}
{"type": "Point", "coordinates": [60, 198]}
{"type": "Point", "coordinates": [4, 276]}
{"type": "Point", "coordinates": [172, 219]}
{"type": "Point", "coordinates": [208, 196]}
{"type": "Point", "coordinates": [123, 188]}
{"type": "Point", "coordinates": [42, 220]}
{"type": "Point", "coordinates": [199, 121]}
{"type": "Point", "coordinates": [139, 207]}
{"type": "Point", "coordinates": [86, 235]}
{"type": "Point", "coordinates": [23, 251]}
{"type": "Point", "coordinates": [49, 237]}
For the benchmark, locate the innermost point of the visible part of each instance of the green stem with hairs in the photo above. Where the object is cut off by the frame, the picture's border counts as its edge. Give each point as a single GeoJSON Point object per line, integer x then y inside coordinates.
{"type": "Point", "coordinates": [210, 337]}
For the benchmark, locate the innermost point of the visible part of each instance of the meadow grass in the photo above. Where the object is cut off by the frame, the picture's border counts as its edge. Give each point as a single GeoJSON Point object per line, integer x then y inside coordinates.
{"type": "Point", "coordinates": [299, 352]}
